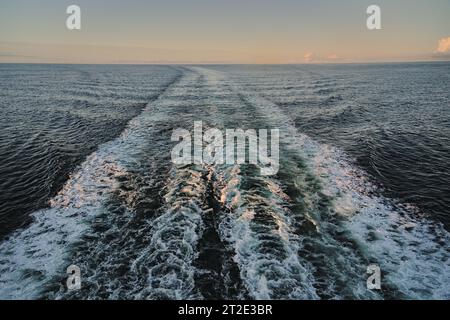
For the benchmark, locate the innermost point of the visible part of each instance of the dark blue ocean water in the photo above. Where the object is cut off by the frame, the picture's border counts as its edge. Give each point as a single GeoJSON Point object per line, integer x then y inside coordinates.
{"type": "Point", "coordinates": [86, 179]}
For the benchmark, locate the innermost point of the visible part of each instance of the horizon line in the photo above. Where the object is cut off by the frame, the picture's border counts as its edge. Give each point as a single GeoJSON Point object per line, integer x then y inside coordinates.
{"type": "Point", "coordinates": [233, 63]}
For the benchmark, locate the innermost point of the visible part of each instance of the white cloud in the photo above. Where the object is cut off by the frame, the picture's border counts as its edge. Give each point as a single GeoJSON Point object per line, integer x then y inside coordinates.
{"type": "Point", "coordinates": [444, 45]}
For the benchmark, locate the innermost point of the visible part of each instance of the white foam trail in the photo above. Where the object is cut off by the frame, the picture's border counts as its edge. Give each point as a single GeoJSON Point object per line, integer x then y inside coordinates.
{"type": "Point", "coordinates": [168, 259]}
{"type": "Point", "coordinates": [267, 272]}
{"type": "Point", "coordinates": [39, 254]}
{"type": "Point", "coordinates": [411, 250]}
{"type": "Point", "coordinates": [414, 259]}
{"type": "Point", "coordinates": [33, 256]}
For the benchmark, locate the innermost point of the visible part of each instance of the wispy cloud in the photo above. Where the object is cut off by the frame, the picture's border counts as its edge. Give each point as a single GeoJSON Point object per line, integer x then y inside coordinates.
{"type": "Point", "coordinates": [312, 57]}
{"type": "Point", "coordinates": [309, 57]}
{"type": "Point", "coordinates": [10, 54]}
{"type": "Point", "coordinates": [333, 56]}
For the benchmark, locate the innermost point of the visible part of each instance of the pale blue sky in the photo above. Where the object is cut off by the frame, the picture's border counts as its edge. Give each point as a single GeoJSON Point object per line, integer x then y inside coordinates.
{"type": "Point", "coordinates": [235, 31]}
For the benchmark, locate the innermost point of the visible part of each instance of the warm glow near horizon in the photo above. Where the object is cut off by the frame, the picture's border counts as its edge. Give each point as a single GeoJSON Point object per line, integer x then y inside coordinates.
{"type": "Point", "coordinates": [247, 31]}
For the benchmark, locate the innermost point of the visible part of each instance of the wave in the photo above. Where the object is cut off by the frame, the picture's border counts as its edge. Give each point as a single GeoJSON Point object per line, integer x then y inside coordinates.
{"type": "Point", "coordinates": [409, 247]}
{"type": "Point", "coordinates": [141, 229]}
{"type": "Point", "coordinates": [36, 257]}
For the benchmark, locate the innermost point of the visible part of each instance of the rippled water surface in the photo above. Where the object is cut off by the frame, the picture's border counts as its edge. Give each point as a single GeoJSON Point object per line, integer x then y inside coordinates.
{"type": "Point", "coordinates": [86, 179]}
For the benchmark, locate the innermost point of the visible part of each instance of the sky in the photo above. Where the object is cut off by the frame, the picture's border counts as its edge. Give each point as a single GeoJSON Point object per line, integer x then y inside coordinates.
{"type": "Point", "coordinates": [226, 31]}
